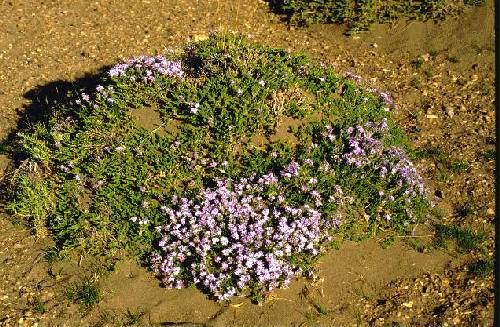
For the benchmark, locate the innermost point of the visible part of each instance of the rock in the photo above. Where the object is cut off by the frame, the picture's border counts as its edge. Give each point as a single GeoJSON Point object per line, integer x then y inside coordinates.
{"type": "Point", "coordinates": [449, 111]}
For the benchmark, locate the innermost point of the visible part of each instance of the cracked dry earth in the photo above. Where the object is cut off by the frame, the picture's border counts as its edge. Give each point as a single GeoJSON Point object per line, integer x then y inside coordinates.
{"type": "Point", "coordinates": [442, 76]}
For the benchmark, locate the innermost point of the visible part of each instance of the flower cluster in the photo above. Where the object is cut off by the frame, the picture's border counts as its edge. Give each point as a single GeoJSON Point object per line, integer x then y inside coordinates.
{"type": "Point", "coordinates": [291, 170]}
{"type": "Point", "coordinates": [383, 95]}
{"type": "Point", "coordinates": [146, 67]}
{"type": "Point", "coordinates": [363, 149]}
{"type": "Point", "coordinates": [238, 234]}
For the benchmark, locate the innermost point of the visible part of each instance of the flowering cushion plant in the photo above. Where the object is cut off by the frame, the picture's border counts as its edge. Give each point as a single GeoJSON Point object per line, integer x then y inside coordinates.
{"type": "Point", "coordinates": [264, 160]}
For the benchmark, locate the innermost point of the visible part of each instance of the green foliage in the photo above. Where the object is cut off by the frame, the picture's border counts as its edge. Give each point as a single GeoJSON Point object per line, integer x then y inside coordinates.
{"type": "Point", "coordinates": [360, 14]}
{"type": "Point", "coordinates": [38, 306]}
{"type": "Point", "coordinates": [467, 209]}
{"type": "Point", "coordinates": [490, 154]}
{"type": "Point", "coordinates": [35, 143]}
{"type": "Point", "coordinates": [466, 239]}
{"type": "Point", "coordinates": [484, 89]}
{"type": "Point", "coordinates": [433, 52]}
{"type": "Point", "coordinates": [474, 2]}
{"type": "Point", "coordinates": [321, 309]}
{"type": "Point", "coordinates": [417, 245]}
{"type": "Point", "coordinates": [445, 163]}
{"type": "Point", "coordinates": [35, 201]}
{"type": "Point", "coordinates": [119, 319]}
{"type": "Point", "coordinates": [415, 82]}
{"type": "Point", "coordinates": [437, 212]}
{"type": "Point", "coordinates": [452, 59]}
{"type": "Point", "coordinates": [3, 147]}
{"type": "Point", "coordinates": [86, 293]}
{"type": "Point", "coordinates": [417, 63]}
{"type": "Point", "coordinates": [482, 268]}
{"type": "Point", "coordinates": [458, 166]}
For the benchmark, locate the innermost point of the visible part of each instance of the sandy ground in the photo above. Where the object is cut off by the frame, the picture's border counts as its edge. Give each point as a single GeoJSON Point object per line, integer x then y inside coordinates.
{"type": "Point", "coordinates": [447, 103]}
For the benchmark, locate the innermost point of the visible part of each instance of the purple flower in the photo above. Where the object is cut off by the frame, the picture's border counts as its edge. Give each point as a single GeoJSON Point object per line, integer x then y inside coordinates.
{"type": "Point", "coordinates": [291, 170]}
{"type": "Point", "coordinates": [233, 234]}
{"type": "Point", "coordinates": [145, 67]}
{"type": "Point", "coordinates": [118, 70]}
{"type": "Point", "coordinates": [308, 162]}
{"type": "Point", "coordinates": [193, 107]}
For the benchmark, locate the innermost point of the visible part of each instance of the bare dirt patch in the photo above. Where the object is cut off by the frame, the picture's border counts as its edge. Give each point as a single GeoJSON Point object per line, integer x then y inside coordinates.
{"type": "Point", "coordinates": [356, 270]}
{"type": "Point", "coordinates": [148, 118]}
